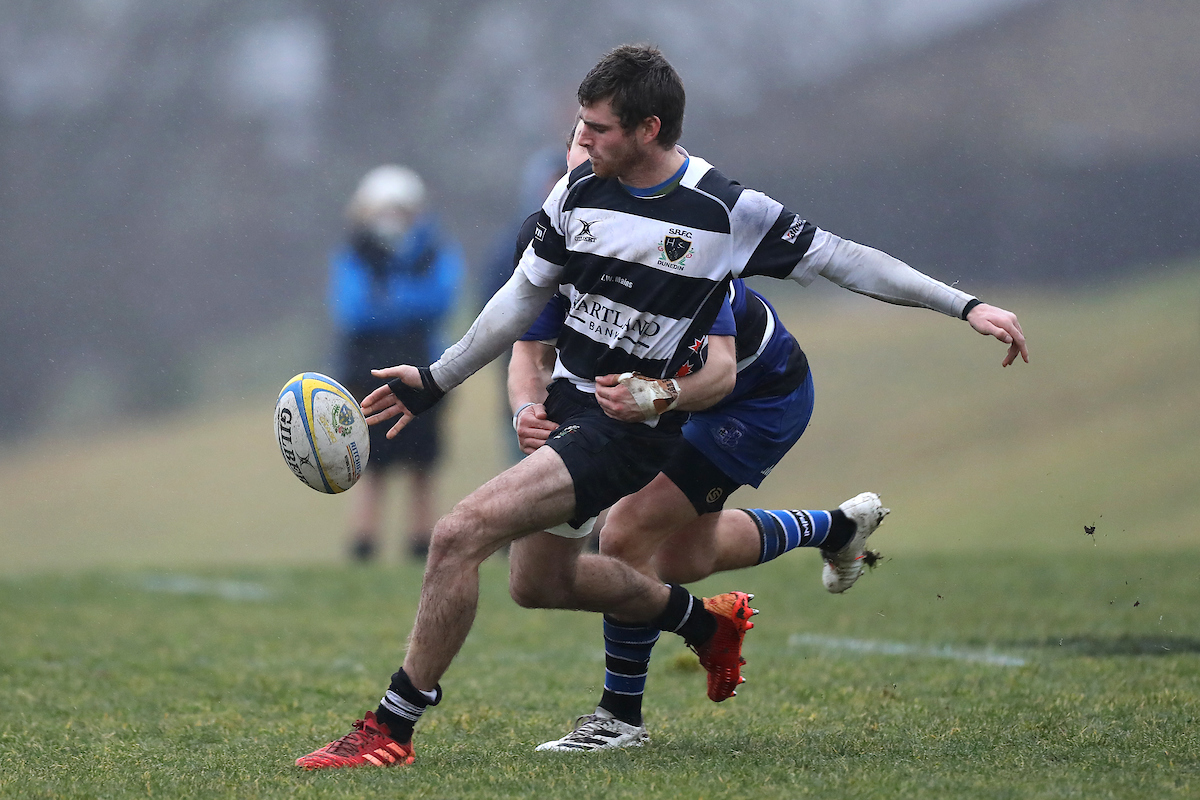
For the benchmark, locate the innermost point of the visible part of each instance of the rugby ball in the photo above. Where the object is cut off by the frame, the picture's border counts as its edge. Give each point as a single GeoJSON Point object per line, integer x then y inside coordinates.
{"type": "Point", "coordinates": [321, 432]}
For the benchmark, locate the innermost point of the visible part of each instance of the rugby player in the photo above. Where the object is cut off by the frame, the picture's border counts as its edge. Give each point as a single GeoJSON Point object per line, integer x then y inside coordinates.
{"type": "Point", "coordinates": [737, 441]}
{"type": "Point", "coordinates": [644, 242]}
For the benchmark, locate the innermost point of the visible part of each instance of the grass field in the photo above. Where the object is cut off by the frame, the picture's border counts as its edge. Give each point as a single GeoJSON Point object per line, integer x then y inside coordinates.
{"type": "Point", "coordinates": [176, 621]}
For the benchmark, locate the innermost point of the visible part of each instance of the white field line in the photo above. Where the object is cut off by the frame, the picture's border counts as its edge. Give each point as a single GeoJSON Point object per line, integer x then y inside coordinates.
{"type": "Point", "coordinates": [189, 585]}
{"type": "Point", "coordinates": [902, 649]}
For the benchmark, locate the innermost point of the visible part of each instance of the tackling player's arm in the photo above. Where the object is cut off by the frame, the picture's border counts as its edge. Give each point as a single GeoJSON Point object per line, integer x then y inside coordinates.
{"type": "Point", "coordinates": [636, 398]}
{"type": "Point", "coordinates": [529, 372]}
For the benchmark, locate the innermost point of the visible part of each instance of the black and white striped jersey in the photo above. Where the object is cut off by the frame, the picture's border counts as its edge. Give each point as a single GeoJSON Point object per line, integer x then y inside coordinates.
{"type": "Point", "coordinates": [645, 277]}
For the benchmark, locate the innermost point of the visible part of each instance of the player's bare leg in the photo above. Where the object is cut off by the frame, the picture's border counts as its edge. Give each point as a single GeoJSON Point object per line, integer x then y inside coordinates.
{"type": "Point", "coordinates": [532, 495]}
{"type": "Point", "coordinates": [712, 543]}
{"type": "Point", "coordinates": [638, 525]}
{"type": "Point", "coordinates": [659, 532]}
{"type": "Point", "coordinates": [545, 572]}
{"type": "Point", "coordinates": [548, 571]}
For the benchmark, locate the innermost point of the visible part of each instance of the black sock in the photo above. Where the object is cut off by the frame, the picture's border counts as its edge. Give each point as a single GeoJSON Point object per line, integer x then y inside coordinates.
{"type": "Point", "coordinates": [841, 531]}
{"type": "Point", "coordinates": [403, 704]}
{"type": "Point", "coordinates": [687, 616]}
{"type": "Point", "coordinates": [625, 708]}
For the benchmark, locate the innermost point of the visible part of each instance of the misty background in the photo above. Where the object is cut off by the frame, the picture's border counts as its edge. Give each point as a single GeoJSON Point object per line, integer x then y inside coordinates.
{"type": "Point", "coordinates": [173, 175]}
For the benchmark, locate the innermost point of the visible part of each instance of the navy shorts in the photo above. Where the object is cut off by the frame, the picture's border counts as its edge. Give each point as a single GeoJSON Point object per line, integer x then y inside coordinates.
{"type": "Point", "coordinates": [607, 459]}
{"type": "Point", "coordinates": [737, 445]}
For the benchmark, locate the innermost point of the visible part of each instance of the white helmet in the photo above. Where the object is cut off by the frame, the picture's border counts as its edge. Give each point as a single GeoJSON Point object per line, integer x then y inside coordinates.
{"type": "Point", "coordinates": [387, 189]}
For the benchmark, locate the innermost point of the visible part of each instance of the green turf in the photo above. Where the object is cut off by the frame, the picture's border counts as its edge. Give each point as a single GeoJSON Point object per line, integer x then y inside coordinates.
{"type": "Point", "coordinates": [209, 684]}
{"type": "Point", "coordinates": [175, 619]}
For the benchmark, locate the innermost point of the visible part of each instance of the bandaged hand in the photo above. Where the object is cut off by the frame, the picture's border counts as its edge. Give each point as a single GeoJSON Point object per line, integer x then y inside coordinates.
{"type": "Point", "coordinates": [654, 396]}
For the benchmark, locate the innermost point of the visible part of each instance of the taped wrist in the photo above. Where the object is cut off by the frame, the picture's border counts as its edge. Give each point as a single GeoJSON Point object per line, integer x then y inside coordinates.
{"type": "Point", "coordinates": [654, 396]}
{"type": "Point", "coordinates": [417, 400]}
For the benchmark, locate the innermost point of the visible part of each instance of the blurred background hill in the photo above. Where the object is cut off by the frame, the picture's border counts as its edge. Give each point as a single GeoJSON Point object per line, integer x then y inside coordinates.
{"type": "Point", "coordinates": [1097, 431]}
{"type": "Point", "coordinates": [172, 176]}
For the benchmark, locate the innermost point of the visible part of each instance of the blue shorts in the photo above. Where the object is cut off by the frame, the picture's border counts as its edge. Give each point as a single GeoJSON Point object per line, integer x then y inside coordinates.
{"type": "Point", "coordinates": [738, 444]}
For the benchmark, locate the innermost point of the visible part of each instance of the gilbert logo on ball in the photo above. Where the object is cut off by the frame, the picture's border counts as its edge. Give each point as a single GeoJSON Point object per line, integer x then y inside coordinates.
{"type": "Point", "coordinates": [321, 432]}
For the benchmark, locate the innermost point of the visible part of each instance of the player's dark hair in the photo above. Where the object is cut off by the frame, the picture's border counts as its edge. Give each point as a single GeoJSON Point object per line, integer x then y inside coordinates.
{"type": "Point", "coordinates": [639, 83]}
{"type": "Point", "coordinates": [571, 133]}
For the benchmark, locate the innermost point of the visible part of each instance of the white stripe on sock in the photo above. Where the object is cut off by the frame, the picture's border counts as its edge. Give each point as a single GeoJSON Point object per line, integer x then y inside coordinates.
{"type": "Point", "coordinates": [401, 707]}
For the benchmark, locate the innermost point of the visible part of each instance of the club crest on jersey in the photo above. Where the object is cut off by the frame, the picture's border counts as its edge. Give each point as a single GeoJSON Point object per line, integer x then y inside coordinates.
{"type": "Point", "coordinates": [793, 232]}
{"type": "Point", "coordinates": [585, 234]}
{"type": "Point", "coordinates": [676, 247]}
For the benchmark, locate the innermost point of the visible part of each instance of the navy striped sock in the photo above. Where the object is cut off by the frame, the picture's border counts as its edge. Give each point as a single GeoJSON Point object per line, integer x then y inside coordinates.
{"type": "Point", "coordinates": [626, 662]}
{"type": "Point", "coordinates": [784, 530]}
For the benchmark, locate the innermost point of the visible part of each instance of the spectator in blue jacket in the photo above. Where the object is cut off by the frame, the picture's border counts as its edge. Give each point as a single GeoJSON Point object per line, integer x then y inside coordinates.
{"type": "Point", "coordinates": [392, 286]}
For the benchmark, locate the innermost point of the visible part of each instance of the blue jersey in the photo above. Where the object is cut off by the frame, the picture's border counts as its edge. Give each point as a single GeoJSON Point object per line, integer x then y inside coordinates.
{"type": "Point", "coordinates": [770, 362]}
{"type": "Point", "coordinates": [753, 427]}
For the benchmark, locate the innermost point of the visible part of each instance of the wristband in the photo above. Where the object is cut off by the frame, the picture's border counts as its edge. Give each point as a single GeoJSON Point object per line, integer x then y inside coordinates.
{"type": "Point", "coordinates": [519, 410]}
{"type": "Point", "coordinates": [417, 400]}
{"type": "Point", "coordinates": [974, 301]}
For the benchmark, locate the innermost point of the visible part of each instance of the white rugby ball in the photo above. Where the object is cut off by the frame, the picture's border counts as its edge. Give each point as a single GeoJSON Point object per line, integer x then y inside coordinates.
{"type": "Point", "coordinates": [321, 432]}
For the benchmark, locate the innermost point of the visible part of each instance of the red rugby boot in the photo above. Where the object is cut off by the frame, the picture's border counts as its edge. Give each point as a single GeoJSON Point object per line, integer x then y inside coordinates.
{"type": "Point", "coordinates": [721, 655]}
{"type": "Point", "coordinates": [369, 745]}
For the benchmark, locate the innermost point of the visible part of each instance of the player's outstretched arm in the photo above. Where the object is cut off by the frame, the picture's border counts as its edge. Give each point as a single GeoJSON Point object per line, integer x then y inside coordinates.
{"type": "Point", "coordinates": [412, 390]}
{"type": "Point", "coordinates": [506, 316]}
{"type": "Point", "coordinates": [994, 321]}
{"type": "Point", "coordinates": [874, 273]}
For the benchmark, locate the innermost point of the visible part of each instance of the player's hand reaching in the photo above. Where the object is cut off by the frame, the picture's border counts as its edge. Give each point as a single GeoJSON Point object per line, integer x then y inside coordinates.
{"type": "Point", "coordinates": [994, 321]}
{"type": "Point", "coordinates": [533, 428]}
{"type": "Point", "coordinates": [383, 404]}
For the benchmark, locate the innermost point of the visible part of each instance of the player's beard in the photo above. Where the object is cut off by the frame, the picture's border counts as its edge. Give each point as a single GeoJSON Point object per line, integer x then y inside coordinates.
{"type": "Point", "coordinates": [615, 164]}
